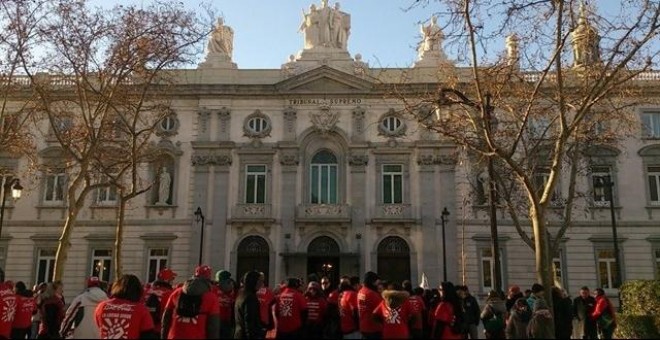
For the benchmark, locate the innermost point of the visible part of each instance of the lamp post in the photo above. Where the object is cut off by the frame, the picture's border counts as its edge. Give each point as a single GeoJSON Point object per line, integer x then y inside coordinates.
{"type": "Point", "coordinates": [199, 217]}
{"type": "Point", "coordinates": [14, 185]}
{"type": "Point", "coordinates": [443, 218]}
{"type": "Point", "coordinates": [603, 187]}
{"type": "Point", "coordinates": [490, 124]}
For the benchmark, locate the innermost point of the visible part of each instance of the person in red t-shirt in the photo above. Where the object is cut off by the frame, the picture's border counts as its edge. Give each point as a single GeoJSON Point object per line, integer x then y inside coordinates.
{"type": "Point", "coordinates": [348, 307]}
{"type": "Point", "coordinates": [445, 313]}
{"type": "Point", "coordinates": [291, 311]}
{"type": "Point", "coordinates": [266, 302]}
{"type": "Point", "coordinates": [7, 306]}
{"type": "Point", "coordinates": [156, 296]}
{"type": "Point", "coordinates": [316, 311]}
{"type": "Point", "coordinates": [227, 297]}
{"type": "Point", "coordinates": [183, 319]}
{"type": "Point", "coordinates": [395, 313]}
{"type": "Point", "coordinates": [25, 307]}
{"type": "Point", "coordinates": [418, 309]}
{"type": "Point", "coordinates": [368, 300]}
{"type": "Point", "coordinates": [123, 316]}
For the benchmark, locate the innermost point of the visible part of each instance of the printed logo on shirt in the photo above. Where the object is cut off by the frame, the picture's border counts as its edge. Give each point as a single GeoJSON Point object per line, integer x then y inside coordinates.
{"type": "Point", "coordinates": [286, 306]}
{"type": "Point", "coordinates": [116, 321]}
{"type": "Point", "coordinates": [393, 316]}
{"type": "Point", "coordinates": [9, 310]}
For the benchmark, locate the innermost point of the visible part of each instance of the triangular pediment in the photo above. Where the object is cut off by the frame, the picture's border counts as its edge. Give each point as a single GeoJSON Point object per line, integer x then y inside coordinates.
{"type": "Point", "coordinates": [324, 79]}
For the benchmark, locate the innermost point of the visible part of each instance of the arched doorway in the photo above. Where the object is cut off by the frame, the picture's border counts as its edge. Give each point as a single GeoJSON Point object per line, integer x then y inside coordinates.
{"type": "Point", "coordinates": [394, 259]}
{"type": "Point", "coordinates": [253, 254]}
{"type": "Point", "coordinates": [323, 258]}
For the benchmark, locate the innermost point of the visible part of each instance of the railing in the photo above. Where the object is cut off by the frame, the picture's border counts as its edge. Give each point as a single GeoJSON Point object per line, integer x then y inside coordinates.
{"type": "Point", "coordinates": [251, 211]}
{"type": "Point", "coordinates": [550, 77]}
{"type": "Point", "coordinates": [394, 212]}
{"type": "Point", "coordinates": [324, 212]}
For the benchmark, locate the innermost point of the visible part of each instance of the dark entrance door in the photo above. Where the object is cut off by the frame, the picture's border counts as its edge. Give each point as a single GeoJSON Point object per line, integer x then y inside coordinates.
{"type": "Point", "coordinates": [394, 259]}
{"type": "Point", "coordinates": [323, 259]}
{"type": "Point", "coordinates": [253, 254]}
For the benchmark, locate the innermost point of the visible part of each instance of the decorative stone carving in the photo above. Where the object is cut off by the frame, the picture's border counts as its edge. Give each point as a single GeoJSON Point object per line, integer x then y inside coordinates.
{"type": "Point", "coordinates": [325, 27]}
{"type": "Point", "coordinates": [203, 117]}
{"type": "Point", "coordinates": [222, 160]}
{"type": "Point", "coordinates": [254, 210]}
{"type": "Point", "coordinates": [393, 209]}
{"type": "Point", "coordinates": [289, 158]}
{"type": "Point", "coordinates": [359, 66]}
{"type": "Point", "coordinates": [290, 116]}
{"type": "Point", "coordinates": [224, 115]}
{"type": "Point", "coordinates": [358, 121]}
{"type": "Point", "coordinates": [325, 120]}
{"type": "Point", "coordinates": [324, 210]}
{"type": "Point", "coordinates": [257, 125]}
{"type": "Point", "coordinates": [450, 159]}
{"type": "Point", "coordinates": [291, 68]}
{"type": "Point", "coordinates": [169, 125]}
{"type": "Point", "coordinates": [358, 160]}
{"type": "Point", "coordinates": [199, 160]}
{"type": "Point", "coordinates": [585, 41]}
{"type": "Point", "coordinates": [220, 47]}
{"type": "Point", "coordinates": [211, 159]}
{"type": "Point", "coordinates": [164, 183]}
{"type": "Point", "coordinates": [425, 159]}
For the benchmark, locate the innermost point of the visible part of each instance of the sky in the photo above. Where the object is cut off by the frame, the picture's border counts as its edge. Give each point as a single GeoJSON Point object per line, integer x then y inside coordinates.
{"type": "Point", "coordinates": [384, 32]}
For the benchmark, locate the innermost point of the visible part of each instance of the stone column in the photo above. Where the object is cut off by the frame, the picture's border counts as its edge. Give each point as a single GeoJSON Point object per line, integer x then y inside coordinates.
{"type": "Point", "coordinates": [201, 179]}
{"type": "Point", "coordinates": [357, 131]}
{"type": "Point", "coordinates": [224, 124]}
{"type": "Point", "coordinates": [203, 124]}
{"type": "Point", "coordinates": [358, 161]}
{"type": "Point", "coordinates": [431, 247]}
{"type": "Point", "coordinates": [217, 231]}
{"type": "Point", "coordinates": [290, 116]}
{"type": "Point", "coordinates": [289, 158]}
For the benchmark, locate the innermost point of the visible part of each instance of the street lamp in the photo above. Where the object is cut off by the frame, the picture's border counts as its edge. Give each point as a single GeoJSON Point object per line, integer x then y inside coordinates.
{"type": "Point", "coordinates": [489, 124]}
{"type": "Point", "coordinates": [16, 190]}
{"type": "Point", "coordinates": [326, 268]}
{"type": "Point", "coordinates": [603, 188]}
{"type": "Point", "coordinates": [199, 217]}
{"type": "Point", "coordinates": [443, 218]}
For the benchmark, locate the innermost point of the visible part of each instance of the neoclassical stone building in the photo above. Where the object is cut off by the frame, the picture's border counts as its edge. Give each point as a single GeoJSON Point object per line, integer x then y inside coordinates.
{"type": "Point", "coordinates": [313, 168]}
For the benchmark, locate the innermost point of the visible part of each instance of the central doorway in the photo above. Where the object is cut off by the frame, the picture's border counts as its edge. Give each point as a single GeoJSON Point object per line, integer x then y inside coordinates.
{"type": "Point", "coordinates": [323, 259]}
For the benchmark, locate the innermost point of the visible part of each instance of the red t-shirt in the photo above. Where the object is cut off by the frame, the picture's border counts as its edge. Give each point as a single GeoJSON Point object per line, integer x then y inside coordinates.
{"type": "Point", "coordinates": [445, 313]}
{"type": "Point", "coordinates": [25, 306]}
{"type": "Point", "coordinates": [195, 327]}
{"type": "Point", "coordinates": [348, 306]}
{"type": "Point", "coordinates": [122, 319]}
{"type": "Point", "coordinates": [333, 297]}
{"type": "Point", "coordinates": [316, 308]}
{"type": "Point", "coordinates": [395, 320]}
{"type": "Point", "coordinates": [368, 300]}
{"type": "Point", "coordinates": [290, 304]}
{"type": "Point", "coordinates": [417, 305]}
{"type": "Point", "coordinates": [226, 300]}
{"type": "Point", "coordinates": [7, 309]}
{"type": "Point", "coordinates": [266, 298]}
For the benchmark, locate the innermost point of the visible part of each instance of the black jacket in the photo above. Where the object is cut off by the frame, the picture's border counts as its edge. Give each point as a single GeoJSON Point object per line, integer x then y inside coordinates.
{"type": "Point", "coordinates": [248, 318]}
{"type": "Point", "coordinates": [471, 310]}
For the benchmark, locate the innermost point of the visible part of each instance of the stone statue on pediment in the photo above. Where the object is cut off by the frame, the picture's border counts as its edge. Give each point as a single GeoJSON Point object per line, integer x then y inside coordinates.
{"type": "Point", "coordinates": [429, 51]}
{"type": "Point", "coordinates": [220, 47]}
{"type": "Point", "coordinates": [325, 27]}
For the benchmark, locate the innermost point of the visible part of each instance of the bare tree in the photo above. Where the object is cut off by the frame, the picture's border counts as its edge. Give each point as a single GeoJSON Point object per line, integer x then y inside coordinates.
{"type": "Point", "coordinates": [567, 84]}
{"type": "Point", "coordinates": [103, 71]}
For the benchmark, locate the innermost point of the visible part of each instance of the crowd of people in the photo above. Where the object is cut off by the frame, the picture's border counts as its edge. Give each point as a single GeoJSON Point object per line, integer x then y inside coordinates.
{"type": "Point", "coordinates": [206, 307]}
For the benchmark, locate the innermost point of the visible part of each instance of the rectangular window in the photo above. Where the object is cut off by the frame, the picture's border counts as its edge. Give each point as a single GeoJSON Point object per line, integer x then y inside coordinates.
{"type": "Point", "coordinates": [600, 176]}
{"type": "Point", "coordinates": [255, 186]}
{"type": "Point", "coordinates": [157, 260]}
{"type": "Point", "coordinates": [324, 184]}
{"type": "Point", "coordinates": [657, 263]}
{"type": "Point", "coordinates": [101, 264]}
{"type": "Point", "coordinates": [488, 269]}
{"type": "Point", "coordinates": [45, 265]}
{"type": "Point", "coordinates": [2, 257]}
{"type": "Point", "coordinates": [392, 184]}
{"type": "Point", "coordinates": [107, 195]}
{"type": "Point", "coordinates": [607, 269]}
{"type": "Point", "coordinates": [651, 124]}
{"type": "Point", "coordinates": [55, 185]}
{"type": "Point", "coordinates": [654, 184]}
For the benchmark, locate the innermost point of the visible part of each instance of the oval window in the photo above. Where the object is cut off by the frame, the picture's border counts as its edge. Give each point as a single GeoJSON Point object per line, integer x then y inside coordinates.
{"type": "Point", "coordinates": [168, 123]}
{"type": "Point", "coordinates": [257, 124]}
{"type": "Point", "coordinates": [392, 124]}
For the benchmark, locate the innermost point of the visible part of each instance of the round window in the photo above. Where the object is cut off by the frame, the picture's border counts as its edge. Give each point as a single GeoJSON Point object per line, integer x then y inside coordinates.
{"type": "Point", "coordinates": [257, 124]}
{"type": "Point", "coordinates": [392, 124]}
{"type": "Point", "coordinates": [168, 123]}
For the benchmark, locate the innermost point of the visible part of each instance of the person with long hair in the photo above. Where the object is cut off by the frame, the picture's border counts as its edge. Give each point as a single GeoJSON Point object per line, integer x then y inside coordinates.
{"type": "Point", "coordinates": [448, 310]}
{"type": "Point", "coordinates": [124, 315]}
{"type": "Point", "coordinates": [247, 312]}
{"type": "Point", "coordinates": [51, 311]}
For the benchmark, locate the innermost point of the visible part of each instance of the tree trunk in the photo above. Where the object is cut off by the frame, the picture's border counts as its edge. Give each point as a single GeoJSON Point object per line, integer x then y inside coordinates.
{"type": "Point", "coordinates": [119, 235]}
{"type": "Point", "coordinates": [64, 243]}
{"type": "Point", "coordinates": [544, 274]}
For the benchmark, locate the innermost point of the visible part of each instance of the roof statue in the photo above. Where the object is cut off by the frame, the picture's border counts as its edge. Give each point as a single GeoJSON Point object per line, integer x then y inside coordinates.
{"type": "Point", "coordinates": [430, 50]}
{"type": "Point", "coordinates": [585, 41]}
{"type": "Point", "coordinates": [325, 27]}
{"type": "Point", "coordinates": [512, 51]}
{"type": "Point", "coordinates": [220, 47]}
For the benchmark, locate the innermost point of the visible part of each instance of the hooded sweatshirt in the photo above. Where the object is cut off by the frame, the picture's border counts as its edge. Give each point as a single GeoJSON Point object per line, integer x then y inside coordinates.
{"type": "Point", "coordinates": [79, 322]}
{"type": "Point", "coordinates": [206, 325]}
{"type": "Point", "coordinates": [395, 313]}
{"type": "Point", "coordinates": [540, 327]}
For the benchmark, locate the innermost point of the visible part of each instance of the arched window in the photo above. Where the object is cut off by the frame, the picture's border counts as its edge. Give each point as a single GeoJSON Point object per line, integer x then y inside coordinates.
{"type": "Point", "coordinates": [323, 179]}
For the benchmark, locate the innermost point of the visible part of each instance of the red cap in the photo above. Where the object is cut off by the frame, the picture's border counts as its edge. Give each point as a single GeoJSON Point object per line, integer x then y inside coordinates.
{"type": "Point", "coordinates": [93, 281]}
{"type": "Point", "coordinates": [203, 271]}
{"type": "Point", "coordinates": [166, 274]}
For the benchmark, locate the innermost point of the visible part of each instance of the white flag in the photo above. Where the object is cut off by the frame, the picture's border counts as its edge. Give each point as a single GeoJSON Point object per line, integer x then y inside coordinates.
{"type": "Point", "coordinates": [425, 282]}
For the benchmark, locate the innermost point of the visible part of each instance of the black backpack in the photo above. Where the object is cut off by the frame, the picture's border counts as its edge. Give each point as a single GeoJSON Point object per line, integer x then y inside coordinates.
{"type": "Point", "coordinates": [189, 305]}
{"type": "Point", "coordinates": [153, 305]}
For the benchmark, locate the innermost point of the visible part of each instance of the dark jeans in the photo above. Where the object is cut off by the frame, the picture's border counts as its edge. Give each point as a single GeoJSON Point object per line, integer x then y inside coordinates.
{"type": "Point", "coordinates": [226, 329]}
{"type": "Point", "coordinates": [289, 335]}
{"type": "Point", "coordinates": [21, 333]}
{"type": "Point", "coordinates": [375, 335]}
